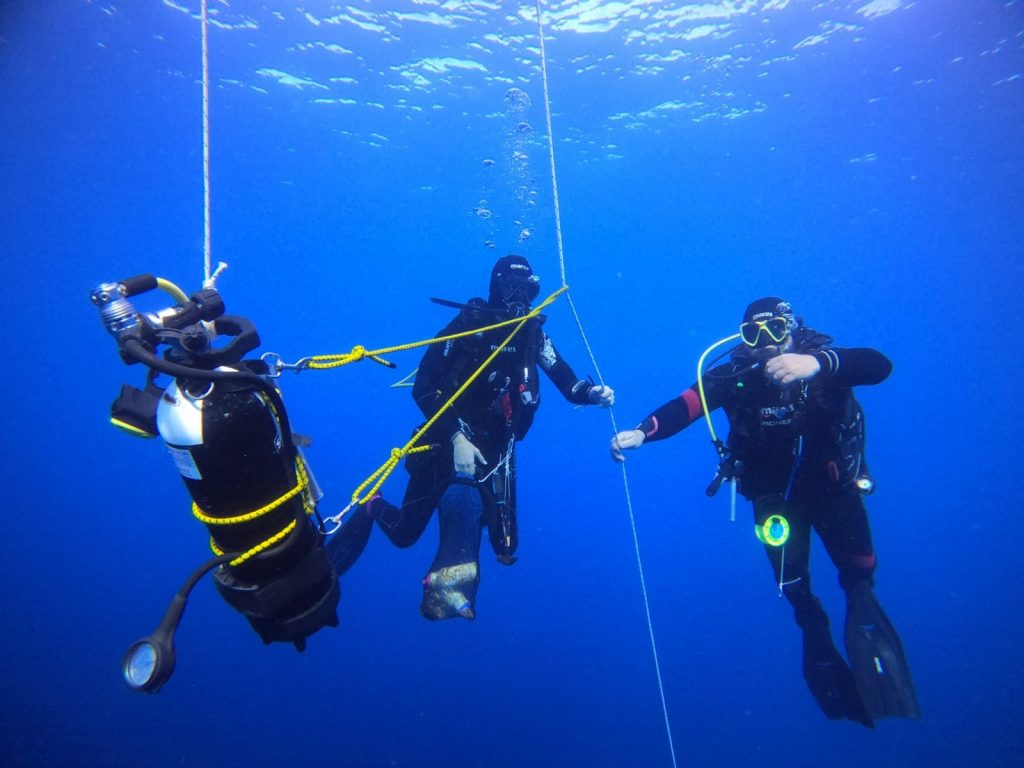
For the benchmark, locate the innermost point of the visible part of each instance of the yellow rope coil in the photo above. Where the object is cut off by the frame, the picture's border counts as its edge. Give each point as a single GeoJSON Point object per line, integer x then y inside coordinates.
{"type": "Point", "coordinates": [361, 495]}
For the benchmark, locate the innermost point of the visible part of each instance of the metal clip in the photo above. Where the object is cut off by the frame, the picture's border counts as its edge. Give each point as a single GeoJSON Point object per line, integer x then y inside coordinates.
{"type": "Point", "coordinates": [335, 521]}
{"type": "Point", "coordinates": [274, 362]}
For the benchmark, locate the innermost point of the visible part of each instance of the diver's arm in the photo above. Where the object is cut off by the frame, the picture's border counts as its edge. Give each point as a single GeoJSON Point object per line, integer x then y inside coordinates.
{"type": "Point", "coordinates": [573, 388]}
{"type": "Point", "coordinates": [841, 367]}
{"type": "Point", "coordinates": [853, 367]}
{"type": "Point", "coordinates": [673, 417]}
{"type": "Point", "coordinates": [670, 419]}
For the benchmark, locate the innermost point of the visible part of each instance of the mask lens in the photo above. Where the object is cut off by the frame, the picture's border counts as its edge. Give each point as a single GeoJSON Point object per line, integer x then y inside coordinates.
{"type": "Point", "coordinates": [777, 328]}
{"type": "Point", "coordinates": [749, 332]}
{"type": "Point", "coordinates": [532, 288]}
{"type": "Point", "coordinates": [520, 290]}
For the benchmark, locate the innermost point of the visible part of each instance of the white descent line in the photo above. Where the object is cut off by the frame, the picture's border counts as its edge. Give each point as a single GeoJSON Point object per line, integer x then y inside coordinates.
{"type": "Point", "coordinates": [597, 370]}
{"type": "Point", "coordinates": [207, 262]}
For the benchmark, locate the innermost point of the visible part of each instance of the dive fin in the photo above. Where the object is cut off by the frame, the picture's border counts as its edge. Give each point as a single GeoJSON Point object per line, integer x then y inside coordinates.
{"type": "Point", "coordinates": [877, 661]}
{"type": "Point", "coordinates": [449, 588]}
{"type": "Point", "coordinates": [450, 591]}
{"type": "Point", "coordinates": [830, 680]}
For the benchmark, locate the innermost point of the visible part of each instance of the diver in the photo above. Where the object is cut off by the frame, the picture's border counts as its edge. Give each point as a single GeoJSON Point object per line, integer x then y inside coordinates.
{"type": "Point", "coordinates": [796, 451]}
{"type": "Point", "coordinates": [470, 476]}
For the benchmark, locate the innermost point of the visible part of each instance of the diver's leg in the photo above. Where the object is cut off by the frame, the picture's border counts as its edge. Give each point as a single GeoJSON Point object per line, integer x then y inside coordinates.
{"type": "Point", "coordinates": [404, 525]}
{"type": "Point", "coordinates": [449, 588]}
{"type": "Point", "coordinates": [873, 646]}
{"type": "Point", "coordinates": [790, 559]}
{"type": "Point", "coordinates": [825, 672]}
{"type": "Point", "coordinates": [843, 528]}
{"type": "Point", "coordinates": [349, 541]}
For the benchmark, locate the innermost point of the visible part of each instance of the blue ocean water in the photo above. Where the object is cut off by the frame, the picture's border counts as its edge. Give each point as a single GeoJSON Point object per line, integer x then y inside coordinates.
{"type": "Point", "coordinates": [863, 159]}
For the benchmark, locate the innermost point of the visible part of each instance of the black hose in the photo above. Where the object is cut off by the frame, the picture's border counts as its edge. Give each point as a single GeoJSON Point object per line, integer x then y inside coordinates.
{"type": "Point", "coordinates": [202, 570]}
{"type": "Point", "coordinates": [137, 350]}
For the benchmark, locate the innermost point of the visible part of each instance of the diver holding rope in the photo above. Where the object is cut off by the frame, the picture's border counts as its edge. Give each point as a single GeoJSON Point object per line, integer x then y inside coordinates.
{"type": "Point", "coordinates": [470, 476]}
{"type": "Point", "coordinates": [796, 451]}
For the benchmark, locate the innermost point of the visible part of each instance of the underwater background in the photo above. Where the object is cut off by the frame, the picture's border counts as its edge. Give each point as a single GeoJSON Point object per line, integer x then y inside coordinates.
{"type": "Point", "coordinates": [862, 159]}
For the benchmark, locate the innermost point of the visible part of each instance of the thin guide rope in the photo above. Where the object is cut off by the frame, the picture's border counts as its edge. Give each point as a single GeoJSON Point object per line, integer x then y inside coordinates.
{"type": "Point", "coordinates": [551, 146]}
{"type": "Point", "coordinates": [597, 370]}
{"type": "Point", "coordinates": [207, 262]}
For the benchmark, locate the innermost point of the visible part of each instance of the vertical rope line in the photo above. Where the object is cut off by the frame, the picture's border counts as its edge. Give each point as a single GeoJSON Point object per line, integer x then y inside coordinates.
{"type": "Point", "coordinates": [207, 263]}
{"type": "Point", "coordinates": [551, 149]}
{"type": "Point", "coordinates": [597, 370]}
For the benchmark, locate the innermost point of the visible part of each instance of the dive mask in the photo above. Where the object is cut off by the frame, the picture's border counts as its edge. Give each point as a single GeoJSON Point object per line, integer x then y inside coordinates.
{"type": "Point", "coordinates": [516, 289]}
{"type": "Point", "coordinates": [776, 328]}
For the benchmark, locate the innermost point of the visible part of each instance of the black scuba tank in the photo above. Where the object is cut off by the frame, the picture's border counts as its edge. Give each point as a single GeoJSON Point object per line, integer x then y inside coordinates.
{"type": "Point", "coordinates": [227, 443]}
{"type": "Point", "coordinates": [228, 432]}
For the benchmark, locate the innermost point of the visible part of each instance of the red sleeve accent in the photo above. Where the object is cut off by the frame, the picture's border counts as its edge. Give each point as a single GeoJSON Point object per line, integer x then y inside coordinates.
{"type": "Point", "coordinates": [692, 400]}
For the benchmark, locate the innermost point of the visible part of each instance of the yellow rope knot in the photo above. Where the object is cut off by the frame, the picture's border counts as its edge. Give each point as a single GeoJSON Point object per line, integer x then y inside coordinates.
{"type": "Point", "coordinates": [359, 352]}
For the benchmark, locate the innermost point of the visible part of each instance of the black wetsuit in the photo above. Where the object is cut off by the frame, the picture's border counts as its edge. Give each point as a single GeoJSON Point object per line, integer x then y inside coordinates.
{"type": "Point", "coordinates": [494, 413]}
{"type": "Point", "coordinates": [794, 457]}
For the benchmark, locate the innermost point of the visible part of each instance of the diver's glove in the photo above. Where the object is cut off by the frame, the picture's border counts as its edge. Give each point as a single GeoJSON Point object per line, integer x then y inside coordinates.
{"type": "Point", "coordinates": [601, 395]}
{"type": "Point", "coordinates": [466, 455]}
{"type": "Point", "coordinates": [627, 440]}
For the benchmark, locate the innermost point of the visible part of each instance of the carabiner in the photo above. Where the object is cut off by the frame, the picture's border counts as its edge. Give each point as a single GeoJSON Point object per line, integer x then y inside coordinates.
{"type": "Point", "coordinates": [274, 362]}
{"type": "Point", "coordinates": [335, 520]}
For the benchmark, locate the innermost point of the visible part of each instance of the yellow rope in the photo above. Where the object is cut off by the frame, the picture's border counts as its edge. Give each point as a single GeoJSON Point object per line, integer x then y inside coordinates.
{"type": "Point", "coordinates": [248, 516]}
{"type": "Point", "coordinates": [325, 362]}
{"type": "Point", "coordinates": [301, 486]}
{"type": "Point", "coordinates": [263, 545]}
{"type": "Point", "coordinates": [361, 495]}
